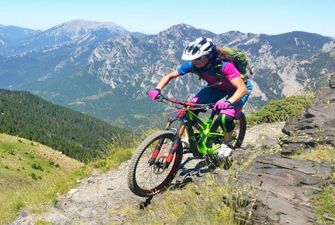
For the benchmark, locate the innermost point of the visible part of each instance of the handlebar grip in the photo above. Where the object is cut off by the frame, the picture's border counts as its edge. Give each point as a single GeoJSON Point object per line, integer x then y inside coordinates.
{"type": "Point", "coordinates": [160, 97]}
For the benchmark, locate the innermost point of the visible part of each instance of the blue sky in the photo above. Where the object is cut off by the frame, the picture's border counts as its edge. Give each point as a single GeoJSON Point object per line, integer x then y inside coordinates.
{"type": "Point", "coordinates": [153, 16]}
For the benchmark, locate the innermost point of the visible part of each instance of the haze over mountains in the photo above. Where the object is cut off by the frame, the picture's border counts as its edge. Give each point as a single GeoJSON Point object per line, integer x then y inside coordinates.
{"type": "Point", "coordinates": [105, 70]}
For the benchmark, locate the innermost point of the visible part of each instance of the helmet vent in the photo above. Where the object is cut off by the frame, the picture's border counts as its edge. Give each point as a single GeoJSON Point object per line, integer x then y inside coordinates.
{"type": "Point", "coordinates": [200, 47]}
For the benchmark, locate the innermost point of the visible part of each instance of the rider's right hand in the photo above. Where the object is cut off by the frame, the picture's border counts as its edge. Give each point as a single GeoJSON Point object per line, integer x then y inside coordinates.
{"type": "Point", "coordinates": [154, 93]}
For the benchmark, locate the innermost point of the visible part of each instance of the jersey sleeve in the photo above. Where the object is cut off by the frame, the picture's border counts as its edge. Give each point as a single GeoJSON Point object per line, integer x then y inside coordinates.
{"type": "Point", "coordinates": [185, 68]}
{"type": "Point", "coordinates": [230, 71]}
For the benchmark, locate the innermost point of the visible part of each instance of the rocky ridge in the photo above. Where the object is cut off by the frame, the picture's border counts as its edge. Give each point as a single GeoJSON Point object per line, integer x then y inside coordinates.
{"type": "Point", "coordinates": [316, 126]}
{"type": "Point", "coordinates": [284, 186]}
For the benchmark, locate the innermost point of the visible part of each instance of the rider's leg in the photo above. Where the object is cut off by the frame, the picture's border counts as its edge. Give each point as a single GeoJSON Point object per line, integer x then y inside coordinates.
{"type": "Point", "coordinates": [235, 113]}
{"type": "Point", "coordinates": [228, 136]}
{"type": "Point", "coordinates": [208, 95]}
{"type": "Point", "coordinates": [227, 124]}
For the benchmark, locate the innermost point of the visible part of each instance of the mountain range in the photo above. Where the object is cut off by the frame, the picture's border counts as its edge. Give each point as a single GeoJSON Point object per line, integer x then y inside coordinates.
{"type": "Point", "coordinates": [102, 69]}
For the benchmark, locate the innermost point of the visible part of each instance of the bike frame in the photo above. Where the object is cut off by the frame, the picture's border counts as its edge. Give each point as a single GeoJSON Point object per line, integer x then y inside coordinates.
{"type": "Point", "coordinates": [188, 120]}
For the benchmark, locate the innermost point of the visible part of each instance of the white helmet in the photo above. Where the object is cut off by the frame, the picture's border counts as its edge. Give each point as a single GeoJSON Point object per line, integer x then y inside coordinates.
{"type": "Point", "coordinates": [201, 46]}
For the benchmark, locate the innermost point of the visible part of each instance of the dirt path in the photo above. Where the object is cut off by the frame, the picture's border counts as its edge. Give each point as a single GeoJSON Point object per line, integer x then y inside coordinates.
{"type": "Point", "coordinates": [90, 202]}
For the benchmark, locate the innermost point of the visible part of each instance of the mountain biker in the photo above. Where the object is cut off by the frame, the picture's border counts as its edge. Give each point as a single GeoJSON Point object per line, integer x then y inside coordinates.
{"type": "Point", "coordinates": [201, 55]}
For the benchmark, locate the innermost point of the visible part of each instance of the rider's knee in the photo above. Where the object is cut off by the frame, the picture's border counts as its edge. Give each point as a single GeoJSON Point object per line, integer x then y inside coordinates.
{"type": "Point", "coordinates": [227, 122]}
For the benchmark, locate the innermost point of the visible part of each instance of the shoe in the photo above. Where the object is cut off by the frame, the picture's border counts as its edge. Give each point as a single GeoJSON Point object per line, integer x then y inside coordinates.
{"type": "Point", "coordinates": [224, 151]}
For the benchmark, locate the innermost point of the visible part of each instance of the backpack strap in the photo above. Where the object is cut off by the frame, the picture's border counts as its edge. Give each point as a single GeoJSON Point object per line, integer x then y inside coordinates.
{"type": "Point", "coordinates": [217, 70]}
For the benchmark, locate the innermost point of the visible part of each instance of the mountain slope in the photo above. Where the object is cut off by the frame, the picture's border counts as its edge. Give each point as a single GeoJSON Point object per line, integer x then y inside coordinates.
{"type": "Point", "coordinates": [28, 171]}
{"type": "Point", "coordinates": [75, 134]}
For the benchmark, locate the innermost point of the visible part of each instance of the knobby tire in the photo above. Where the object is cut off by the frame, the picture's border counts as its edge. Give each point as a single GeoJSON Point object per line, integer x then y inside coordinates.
{"type": "Point", "coordinates": [140, 154]}
{"type": "Point", "coordinates": [242, 130]}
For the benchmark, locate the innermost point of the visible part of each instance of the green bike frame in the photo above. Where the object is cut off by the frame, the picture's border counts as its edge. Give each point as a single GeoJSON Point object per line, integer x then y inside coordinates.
{"type": "Point", "coordinates": [205, 131]}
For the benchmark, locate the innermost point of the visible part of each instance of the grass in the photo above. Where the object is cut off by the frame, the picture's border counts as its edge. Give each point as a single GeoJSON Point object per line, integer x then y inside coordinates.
{"type": "Point", "coordinates": [118, 155]}
{"type": "Point", "coordinates": [211, 202]}
{"type": "Point", "coordinates": [325, 203]}
{"type": "Point", "coordinates": [115, 157]}
{"type": "Point", "coordinates": [208, 202]}
{"type": "Point", "coordinates": [27, 175]}
{"type": "Point", "coordinates": [28, 170]}
{"type": "Point", "coordinates": [41, 222]}
{"type": "Point", "coordinates": [322, 154]}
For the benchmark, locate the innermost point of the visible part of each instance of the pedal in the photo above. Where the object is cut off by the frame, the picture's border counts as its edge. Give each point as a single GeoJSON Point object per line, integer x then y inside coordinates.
{"type": "Point", "coordinates": [186, 150]}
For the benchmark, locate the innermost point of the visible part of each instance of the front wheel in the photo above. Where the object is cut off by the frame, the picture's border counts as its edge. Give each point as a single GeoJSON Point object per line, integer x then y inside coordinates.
{"type": "Point", "coordinates": [149, 175]}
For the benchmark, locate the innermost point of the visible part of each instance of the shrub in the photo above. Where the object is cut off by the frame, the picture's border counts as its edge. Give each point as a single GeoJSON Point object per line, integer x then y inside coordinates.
{"type": "Point", "coordinates": [36, 166]}
{"type": "Point", "coordinates": [34, 176]}
{"type": "Point", "coordinates": [281, 110]}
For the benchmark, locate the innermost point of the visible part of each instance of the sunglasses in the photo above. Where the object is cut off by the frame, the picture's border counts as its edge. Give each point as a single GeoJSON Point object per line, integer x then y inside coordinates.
{"type": "Point", "coordinates": [199, 59]}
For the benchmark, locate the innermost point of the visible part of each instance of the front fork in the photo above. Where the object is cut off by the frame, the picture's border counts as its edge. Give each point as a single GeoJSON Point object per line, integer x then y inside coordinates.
{"type": "Point", "coordinates": [156, 152]}
{"type": "Point", "coordinates": [175, 146]}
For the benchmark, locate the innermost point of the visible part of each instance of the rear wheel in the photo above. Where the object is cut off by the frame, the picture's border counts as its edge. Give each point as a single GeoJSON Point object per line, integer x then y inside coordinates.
{"type": "Point", "coordinates": [147, 177]}
{"type": "Point", "coordinates": [239, 132]}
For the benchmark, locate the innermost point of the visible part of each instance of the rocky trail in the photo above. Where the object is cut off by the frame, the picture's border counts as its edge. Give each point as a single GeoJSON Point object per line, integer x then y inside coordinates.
{"type": "Point", "coordinates": [283, 186]}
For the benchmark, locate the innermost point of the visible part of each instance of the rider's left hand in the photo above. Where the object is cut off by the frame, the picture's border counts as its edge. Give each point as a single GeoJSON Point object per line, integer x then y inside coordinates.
{"type": "Point", "coordinates": [221, 105]}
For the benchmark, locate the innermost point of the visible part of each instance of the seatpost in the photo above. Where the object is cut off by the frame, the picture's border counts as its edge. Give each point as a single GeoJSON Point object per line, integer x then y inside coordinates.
{"type": "Point", "coordinates": [212, 114]}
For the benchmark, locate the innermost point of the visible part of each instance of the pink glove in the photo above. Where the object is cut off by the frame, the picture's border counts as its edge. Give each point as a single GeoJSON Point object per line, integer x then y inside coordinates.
{"type": "Point", "coordinates": [221, 105]}
{"type": "Point", "coordinates": [154, 93]}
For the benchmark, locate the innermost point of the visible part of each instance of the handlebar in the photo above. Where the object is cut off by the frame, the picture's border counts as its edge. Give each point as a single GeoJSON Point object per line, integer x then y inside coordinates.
{"type": "Point", "coordinates": [205, 107]}
{"type": "Point", "coordinates": [185, 103]}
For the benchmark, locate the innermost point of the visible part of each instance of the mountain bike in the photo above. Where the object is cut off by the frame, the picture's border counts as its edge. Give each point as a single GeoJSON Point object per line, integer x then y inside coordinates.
{"type": "Point", "coordinates": [156, 160]}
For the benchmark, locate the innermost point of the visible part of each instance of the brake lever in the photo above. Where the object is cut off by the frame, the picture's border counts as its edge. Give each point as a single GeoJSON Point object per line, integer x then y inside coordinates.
{"type": "Point", "coordinates": [160, 98]}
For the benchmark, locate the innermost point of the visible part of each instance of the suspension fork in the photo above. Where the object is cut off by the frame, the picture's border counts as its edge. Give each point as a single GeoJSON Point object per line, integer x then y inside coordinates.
{"type": "Point", "coordinates": [175, 146]}
{"type": "Point", "coordinates": [158, 147]}
{"type": "Point", "coordinates": [156, 152]}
